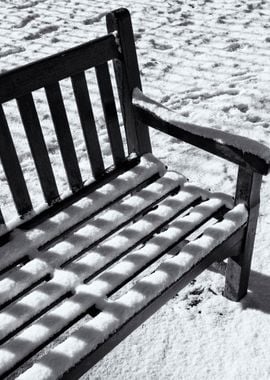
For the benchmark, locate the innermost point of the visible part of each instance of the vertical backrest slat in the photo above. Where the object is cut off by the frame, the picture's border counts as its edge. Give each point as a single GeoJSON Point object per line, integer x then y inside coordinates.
{"type": "Point", "coordinates": [88, 123]}
{"type": "Point", "coordinates": [128, 77]}
{"type": "Point", "coordinates": [13, 169]}
{"type": "Point", "coordinates": [38, 148]}
{"type": "Point", "coordinates": [110, 113]}
{"type": "Point", "coordinates": [66, 145]}
{"type": "Point", "coordinates": [3, 228]}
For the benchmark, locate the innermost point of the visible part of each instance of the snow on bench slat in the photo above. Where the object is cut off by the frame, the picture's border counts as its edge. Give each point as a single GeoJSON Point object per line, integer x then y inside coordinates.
{"type": "Point", "coordinates": [116, 313]}
{"type": "Point", "coordinates": [242, 143]}
{"type": "Point", "coordinates": [113, 216]}
{"type": "Point", "coordinates": [24, 243]}
{"type": "Point", "coordinates": [87, 295]}
{"type": "Point", "coordinates": [86, 235]}
{"type": "Point", "coordinates": [119, 243]}
{"type": "Point", "coordinates": [99, 226]}
{"type": "Point", "coordinates": [47, 293]}
{"type": "Point", "coordinates": [21, 278]}
{"type": "Point", "coordinates": [44, 295]}
{"type": "Point", "coordinates": [136, 260]}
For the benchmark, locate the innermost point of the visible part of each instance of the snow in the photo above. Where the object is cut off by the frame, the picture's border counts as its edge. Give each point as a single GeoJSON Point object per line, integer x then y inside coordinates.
{"type": "Point", "coordinates": [242, 143]}
{"type": "Point", "coordinates": [114, 246]}
{"type": "Point", "coordinates": [24, 243]}
{"type": "Point", "coordinates": [85, 296]}
{"type": "Point", "coordinates": [44, 295]}
{"type": "Point", "coordinates": [22, 278]}
{"type": "Point", "coordinates": [115, 215]}
{"type": "Point", "coordinates": [209, 61]}
{"type": "Point", "coordinates": [115, 313]}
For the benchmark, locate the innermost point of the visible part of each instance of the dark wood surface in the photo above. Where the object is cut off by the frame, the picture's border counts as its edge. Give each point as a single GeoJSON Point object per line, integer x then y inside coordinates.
{"type": "Point", "coordinates": [64, 137]}
{"type": "Point", "coordinates": [88, 123]}
{"type": "Point", "coordinates": [238, 268]}
{"type": "Point", "coordinates": [228, 246]}
{"type": "Point", "coordinates": [22, 80]}
{"type": "Point", "coordinates": [218, 254]}
{"type": "Point", "coordinates": [12, 168]}
{"type": "Point", "coordinates": [38, 148]}
{"type": "Point", "coordinates": [127, 78]}
{"type": "Point", "coordinates": [110, 113]}
{"type": "Point", "coordinates": [222, 150]}
{"type": "Point", "coordinates": [19, 84]}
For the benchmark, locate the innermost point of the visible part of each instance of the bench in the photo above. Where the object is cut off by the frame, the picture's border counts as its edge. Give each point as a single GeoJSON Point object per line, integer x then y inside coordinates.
{"type": "Point", "coordinates": [82, 272]}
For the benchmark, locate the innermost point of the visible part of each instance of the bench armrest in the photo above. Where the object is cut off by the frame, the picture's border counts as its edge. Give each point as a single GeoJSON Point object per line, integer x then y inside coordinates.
{"type": "Point", "coordinates": [238, 149]}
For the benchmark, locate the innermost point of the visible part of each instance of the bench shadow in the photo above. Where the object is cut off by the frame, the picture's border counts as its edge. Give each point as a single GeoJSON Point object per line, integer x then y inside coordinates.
{"type": "Point", "coordinates": [258, 296]}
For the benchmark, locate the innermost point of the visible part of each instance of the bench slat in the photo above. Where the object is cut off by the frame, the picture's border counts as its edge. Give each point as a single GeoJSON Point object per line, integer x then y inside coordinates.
{"type": "Point", "coordinates": [25, 79]}
{"type": "Point", "coordinates": [115, 314]}
{"type": "Point", "coordinates": [88, 234]}
{"type": "Point", "coordinates": [88, 123]}
{"type": "Point", "coordinates": [118, 245]}
{"type": "Point", "coordinates": [22, 278]}
{"type": "Point", "coordinates": [38, 148]}
{"type": "Point", "coordinates": [135, 262]}
{"type": "Point", "coordinates": [110, 113]}
{"type": "Point", "coordinates": [127, 77]}
{"type": "Point", "coordinates": [65, 141]}
{"type": "Point", "coordinates": [13, 169]}
{"type": "Point", "coordinates": [111, 249]}
{"type": "Point", "coordinates": [3, 227]}
{"type": "Point", "coordinates": [63, 315]}
{"type": "Point", "coordinates": [22, 242]}
{"type": "Point", "coordinates": [109, 221]}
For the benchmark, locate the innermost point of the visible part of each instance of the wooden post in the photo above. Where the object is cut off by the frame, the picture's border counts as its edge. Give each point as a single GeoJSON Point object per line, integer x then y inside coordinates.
{"type": "Point", "coordinates": [128, 77]}
{"type": "Point", "coordinates": [238, 267]}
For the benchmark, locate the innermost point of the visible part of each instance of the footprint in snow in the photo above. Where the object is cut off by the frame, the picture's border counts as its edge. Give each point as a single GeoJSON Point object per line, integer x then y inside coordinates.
{"type": "Point", "coordinates": [160, 46]}
{"type": "Point", "coordinates": [233, 46]}
{"type": "Point", "coordinates": [253, 118]}
{"type": "Point", "coordinates": [41, 32]}
{"type": "Point", "coordinates": [10, 51]}
{"type": "Point", "coordinates": [26, 20]}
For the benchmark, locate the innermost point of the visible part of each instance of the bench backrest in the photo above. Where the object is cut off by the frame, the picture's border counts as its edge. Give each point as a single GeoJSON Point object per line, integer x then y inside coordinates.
{"type": "Point", "coordinates": [21, 82]}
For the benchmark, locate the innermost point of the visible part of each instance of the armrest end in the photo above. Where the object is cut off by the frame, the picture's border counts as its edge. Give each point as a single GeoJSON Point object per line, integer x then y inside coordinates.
{"type": "Point", "coordinates": [238, 149]}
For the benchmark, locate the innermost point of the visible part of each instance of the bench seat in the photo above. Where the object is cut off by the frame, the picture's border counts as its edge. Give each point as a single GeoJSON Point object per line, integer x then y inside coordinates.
{"type": "Point", "coordinates": [79, 273]}
{"type": "Point", "coordinates": [85, 276]}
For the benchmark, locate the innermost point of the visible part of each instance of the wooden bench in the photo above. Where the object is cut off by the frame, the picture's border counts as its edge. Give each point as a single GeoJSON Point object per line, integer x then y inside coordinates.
{"type": "Point", "coordinates": [82, 273]}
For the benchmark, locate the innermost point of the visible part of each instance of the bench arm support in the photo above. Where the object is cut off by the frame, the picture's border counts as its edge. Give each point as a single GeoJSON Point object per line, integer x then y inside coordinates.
{"type": "Point", "coordinates": [237, 149]}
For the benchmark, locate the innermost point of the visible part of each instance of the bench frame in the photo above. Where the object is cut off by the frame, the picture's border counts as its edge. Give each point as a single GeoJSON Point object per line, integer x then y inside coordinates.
{"type": "Point", "coordinates": [117, 45]}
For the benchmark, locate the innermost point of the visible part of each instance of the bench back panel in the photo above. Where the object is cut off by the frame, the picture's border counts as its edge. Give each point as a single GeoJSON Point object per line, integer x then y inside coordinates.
{"type": "Point", "coordinates": [20, 83]}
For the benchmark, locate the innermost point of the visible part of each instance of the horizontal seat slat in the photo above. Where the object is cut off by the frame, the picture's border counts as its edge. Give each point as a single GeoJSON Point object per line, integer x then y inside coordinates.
{"type": "Point", "coordinates": [114, 314]}
{"type": "Point", "coordinates": [110, 220]}
{"type": "Point", "coordinates": [136, 261]}
{"type": "Point", "coordinates": [117, 312]}
{"type": "Point", "coordinates": [22, 278]}
{"type": "Point", "coordinates": [22, 311]}
{"type": "Point", "coordinates": [20, 81]}
{"type": "Point", "coordinates": [23, 242]}
{"type": "Point", "coordinates": [43, 295]}
{"type": "Point", "coordinates": [132, 235]}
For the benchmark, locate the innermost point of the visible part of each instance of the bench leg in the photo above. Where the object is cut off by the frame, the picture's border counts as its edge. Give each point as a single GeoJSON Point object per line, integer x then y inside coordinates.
{"type": "Point", "coordinates": [238, 267]}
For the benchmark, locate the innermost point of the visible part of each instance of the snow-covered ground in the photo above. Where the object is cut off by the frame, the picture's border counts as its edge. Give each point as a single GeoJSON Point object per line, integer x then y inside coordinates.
{"type": "Point", "coordinates": [208, 60]}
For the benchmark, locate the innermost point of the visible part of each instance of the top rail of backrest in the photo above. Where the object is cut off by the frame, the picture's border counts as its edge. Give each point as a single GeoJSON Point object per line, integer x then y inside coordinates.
{"type": "Point", "coordinates": [22, 80]}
